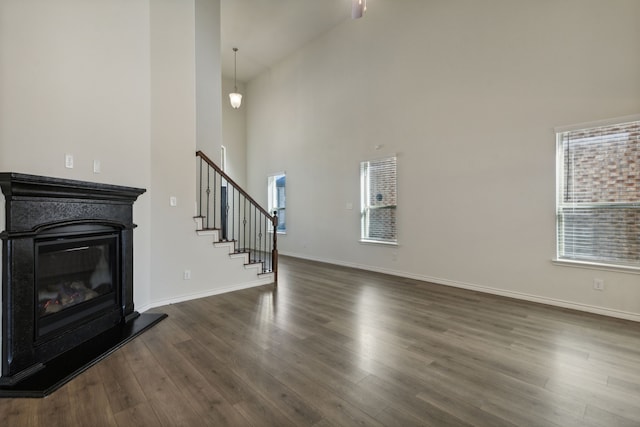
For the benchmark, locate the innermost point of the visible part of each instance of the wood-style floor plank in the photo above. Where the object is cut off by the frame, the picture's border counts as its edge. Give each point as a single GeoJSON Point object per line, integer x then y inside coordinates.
{"type": "Point", "coordinates": [334, 346]}
{"type": "Point", "coordinates": [136, 416]}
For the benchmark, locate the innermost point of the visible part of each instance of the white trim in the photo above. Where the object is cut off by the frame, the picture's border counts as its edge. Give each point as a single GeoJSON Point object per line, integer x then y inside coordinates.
{"type": "Point", "coordinates": [596, 266]}
{"type": "Point", "coordinates": [597, 123]}
{"type": "Point", "coordinates": [378, 242]}
{"type": "Point", "coordinates": [207, 293]}
{"type": "Point", "coordinates": [271, 199]}
{"type": "Point", "coordinates": [144, 308]}
{"type": "Point", "coordinates": [382, 157]}
{"type": "Point", "coordinates": [619, 314]}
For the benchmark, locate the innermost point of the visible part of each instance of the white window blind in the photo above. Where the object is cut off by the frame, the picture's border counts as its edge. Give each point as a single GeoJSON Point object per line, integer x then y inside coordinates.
{"type": "Point", "coordinates": [598, 194]}
{"type": "Point", "coordinates": [378, 200]}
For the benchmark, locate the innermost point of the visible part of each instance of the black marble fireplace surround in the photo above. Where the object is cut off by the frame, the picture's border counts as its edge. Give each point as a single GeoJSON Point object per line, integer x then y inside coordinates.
{"type": "Point", "coordinates": [67, 280]}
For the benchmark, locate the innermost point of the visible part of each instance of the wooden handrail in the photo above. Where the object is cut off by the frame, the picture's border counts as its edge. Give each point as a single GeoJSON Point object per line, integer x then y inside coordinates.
{"type": "Point", "coordinates": [233, 183]}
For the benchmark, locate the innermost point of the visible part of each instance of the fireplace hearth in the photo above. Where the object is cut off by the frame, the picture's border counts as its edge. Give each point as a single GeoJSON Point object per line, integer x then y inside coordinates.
{"type": "Point", "coordinates": [67, 280]}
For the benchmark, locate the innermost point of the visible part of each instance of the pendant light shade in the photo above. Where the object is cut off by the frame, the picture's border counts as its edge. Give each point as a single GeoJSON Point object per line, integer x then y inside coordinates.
{"type": "Point", "coordinates": [358, 8]}
{"type": "Point", "coordinates": [235, 97]}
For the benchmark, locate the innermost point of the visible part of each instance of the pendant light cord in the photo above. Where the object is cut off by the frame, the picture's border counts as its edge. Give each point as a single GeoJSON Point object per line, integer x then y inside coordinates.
{"type": "Point", "coordinates": [235, 68]}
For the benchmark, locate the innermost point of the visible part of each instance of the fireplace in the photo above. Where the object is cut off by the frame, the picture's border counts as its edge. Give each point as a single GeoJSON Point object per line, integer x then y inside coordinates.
{"type": "Point", "coordinates": [67, 279]}
{"type": "Point", "coordinates": [74, 278]}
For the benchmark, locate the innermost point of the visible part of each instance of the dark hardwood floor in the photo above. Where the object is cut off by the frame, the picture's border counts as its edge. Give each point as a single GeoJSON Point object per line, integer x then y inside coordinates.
{"type": "Point", "coordinates": [337, 346]}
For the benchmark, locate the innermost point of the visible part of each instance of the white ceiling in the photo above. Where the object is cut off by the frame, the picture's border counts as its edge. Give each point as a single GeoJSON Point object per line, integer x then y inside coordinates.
{"type": "Point", "coordinates": [266, 31]}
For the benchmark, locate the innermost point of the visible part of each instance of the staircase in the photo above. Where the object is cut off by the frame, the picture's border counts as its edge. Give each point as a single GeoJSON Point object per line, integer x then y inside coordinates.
{"type": "Point", "coordinates": [235, 222]}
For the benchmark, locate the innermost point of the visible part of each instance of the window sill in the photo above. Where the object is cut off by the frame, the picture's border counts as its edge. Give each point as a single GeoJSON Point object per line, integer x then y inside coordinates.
{"type": "Point", "coordinates": [378, 242]}
{"type": "Point", "coordinates": [596, 266]}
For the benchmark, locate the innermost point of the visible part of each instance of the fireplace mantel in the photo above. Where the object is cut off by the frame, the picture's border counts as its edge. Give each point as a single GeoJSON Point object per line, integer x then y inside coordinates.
{"type": "Point", "coordinates": [40, 210]}
{"type": "Point", "coordinates": [31, 198]}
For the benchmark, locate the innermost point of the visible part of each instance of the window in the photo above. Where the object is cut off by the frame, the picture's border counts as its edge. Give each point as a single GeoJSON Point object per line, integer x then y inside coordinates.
{"type": "Point", "coordinates": [276, 199]}
{"type": "Point", "coordinates": [378, 200]}
{"type": "Point", "coordinates": [598, 194]}
{"type": "Point", "coordinates": [223, 158]}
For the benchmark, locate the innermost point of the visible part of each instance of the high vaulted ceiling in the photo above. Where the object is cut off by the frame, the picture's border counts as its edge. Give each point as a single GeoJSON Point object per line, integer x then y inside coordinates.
{"type": "Point", "coordinates": [266, 31]}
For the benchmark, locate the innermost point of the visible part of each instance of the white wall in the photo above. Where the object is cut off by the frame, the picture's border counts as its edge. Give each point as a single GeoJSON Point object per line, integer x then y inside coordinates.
{"type": "Point", "coordinates": [234, 135]}
{"type": "Point", "coordinates": [208, 76]}
{"type": "Point", "coordinates": [116, 80]}
{"type": "Point", "coordinates": [74, 78]}
{"type": "Point", "coordinates": [467, 95]}
{"type": "Point", "coordinates": [179, 92]}
{"type": "Point", "coordinates": [173, 140]}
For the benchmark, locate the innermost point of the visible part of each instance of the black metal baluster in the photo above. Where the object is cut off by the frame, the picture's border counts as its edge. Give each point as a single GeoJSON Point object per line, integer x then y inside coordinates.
{"type": "Point", "coordinates": [274, 249]}
{"type": "Point", "coordinates": [260, 240]}
{"type": "Point", "coordinates": [215, 201]}
{"type": "Point", "coordinates": [208, 194]}
{"type": "Point", "coordinates": [265, 261]}
{"type": "Point", "coordinates": [266, 239]}
{"type": "Point", "coordinates": [268, 255]}
{"type": "Point", "coordinates": [268, 249]}
{"type": "Point", "coordinates": [224, 194]}
{"type": "Point", "coordinates": [244, 222]}
{"type": "Point", "coordinates": [233, 217]}
{"type": "Point", "coordinates": [200, 191]}
{"type": "Point", "coordinates": [247, 216]}
{"type": "Point", "coordinates": [238, 213]}
{"type": "Point", "coordinates": [250, 230]}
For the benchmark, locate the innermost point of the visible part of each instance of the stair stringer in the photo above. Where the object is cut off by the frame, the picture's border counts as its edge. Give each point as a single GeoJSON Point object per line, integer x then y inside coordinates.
{"type": "Point", "coordinates": [239, 258]}
{"type": "Point", "coordinates": [214, 271]}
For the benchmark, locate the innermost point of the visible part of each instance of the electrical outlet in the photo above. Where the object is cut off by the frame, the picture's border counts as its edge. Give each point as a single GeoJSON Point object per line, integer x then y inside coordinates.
{"type": "Point", "coordinates": [68, 161]}
{"type": "Point", "coordinates": [598, 284]}
{"type": "Point", "coordinates": [97, 167]}
{"type": "Point", "coordinates": [173, 201]}
{"type": "Point", "coordinates": [187, 275]}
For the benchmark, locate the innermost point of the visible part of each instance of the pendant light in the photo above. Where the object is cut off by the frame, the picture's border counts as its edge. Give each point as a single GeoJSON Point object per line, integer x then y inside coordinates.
{"type": "Point", "coordinates": [235, 98]}
{"type": "Point", "coordinates": [358, 8]}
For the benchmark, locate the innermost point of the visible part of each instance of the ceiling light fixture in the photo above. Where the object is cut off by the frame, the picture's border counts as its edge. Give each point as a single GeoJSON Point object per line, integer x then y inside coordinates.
{"type": "Point", "coordinates": [358, 8]}
{"type": "Point", "coordinates": [235, 98]}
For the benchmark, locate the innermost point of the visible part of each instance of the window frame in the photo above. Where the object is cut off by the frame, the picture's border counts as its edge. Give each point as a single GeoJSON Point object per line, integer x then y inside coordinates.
{"type": "Point", "coordinates": [560, 258]}
{"type": "Point", "coordinates": [366, 208]}
{"type": "Point", "coordinates": [273, 198]}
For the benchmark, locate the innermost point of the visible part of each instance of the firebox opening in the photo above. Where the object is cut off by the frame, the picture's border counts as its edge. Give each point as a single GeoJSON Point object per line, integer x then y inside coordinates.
{"type": "Point", "coordinates": [76, 279]}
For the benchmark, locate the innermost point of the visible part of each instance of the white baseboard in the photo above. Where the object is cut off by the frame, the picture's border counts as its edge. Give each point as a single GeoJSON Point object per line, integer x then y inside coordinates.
{"type": "Point", "coordinates": [619, 314]}
{"type": "Point", "coordinates": [207, 293]}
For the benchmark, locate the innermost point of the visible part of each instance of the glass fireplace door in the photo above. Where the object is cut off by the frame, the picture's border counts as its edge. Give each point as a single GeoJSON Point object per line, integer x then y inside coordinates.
{"type": "Point", "coordinates": [75, 278]}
